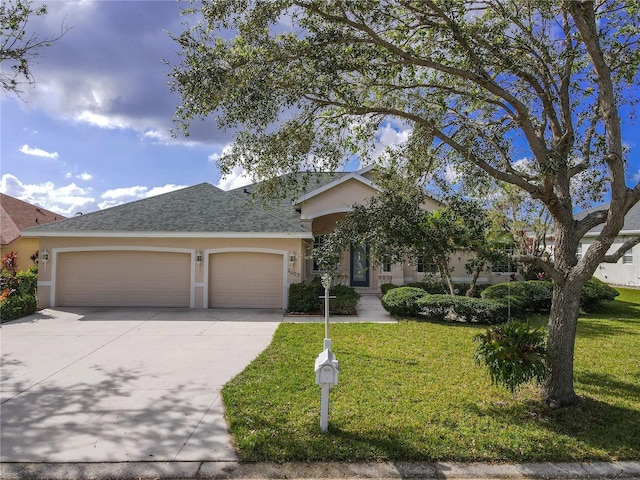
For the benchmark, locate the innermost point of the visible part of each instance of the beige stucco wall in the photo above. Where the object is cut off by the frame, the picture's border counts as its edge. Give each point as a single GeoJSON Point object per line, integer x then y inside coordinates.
{"type": "Point", "coordinates": [24, 247]}
{"type": "Point", "coordinates": [208, 246]}
{"type": "Point", "coordinates": [337, 199]}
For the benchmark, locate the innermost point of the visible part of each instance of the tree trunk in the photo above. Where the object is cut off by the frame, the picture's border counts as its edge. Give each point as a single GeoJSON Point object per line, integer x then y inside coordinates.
{"type": "Point", "coordinates": [557, 389]}
{"type": "Point", "coordinates": [474, 281]}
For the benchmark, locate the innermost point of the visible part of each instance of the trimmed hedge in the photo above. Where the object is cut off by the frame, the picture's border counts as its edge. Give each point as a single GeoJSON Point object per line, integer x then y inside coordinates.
{"type": "Point", "coordinates": [385, 287]}
{"type": "Point", "coordinates": [436, 287]}
{"type": "Point", "coordinates": [463, 309]}
{"type": "Point", "coordinates": [403, 301]}
{"type": "Point", "coordinates": [535, 296]}
{"type": "Point", "coordinates": [596, 292]}
{"type": "Point", "coordinates": [526, 296]}
{"type": "Point", "coordinates": [305, 298]}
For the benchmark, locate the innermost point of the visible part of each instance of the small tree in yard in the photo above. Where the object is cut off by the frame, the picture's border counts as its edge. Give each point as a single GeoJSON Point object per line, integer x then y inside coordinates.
{"type": "Point", "coordinates": [482, 84]}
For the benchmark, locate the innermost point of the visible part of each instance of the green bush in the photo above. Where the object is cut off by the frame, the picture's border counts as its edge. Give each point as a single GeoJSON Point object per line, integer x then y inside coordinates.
{"type": "Point", "coordinates": [305, 298]}
{"type": "Point", "coordinates": [346, 300]}
{"type": "Point", "coordinates": [462, 309]}
{"type": "Point", "coordinates": [514, 353]}
{"type": "Point", "coordinates": [16, 306]}
{"type": "Point", "coordinates": [529, 296]}
{"type": "Point", "coordinates": [594, 293]}
{"type": "Point", "coordinates": [403, 301]}
{"type": "Point", "coordinates": [385, 287]}
{"type": "Point", "coordinates": [27, 282]}
{"type": "Point", "coordinates": [430, 286]}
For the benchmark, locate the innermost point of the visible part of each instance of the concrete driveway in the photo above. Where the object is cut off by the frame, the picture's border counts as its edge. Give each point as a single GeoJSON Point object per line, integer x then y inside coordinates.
{"type": "Point", "coordinates": [123, 384]}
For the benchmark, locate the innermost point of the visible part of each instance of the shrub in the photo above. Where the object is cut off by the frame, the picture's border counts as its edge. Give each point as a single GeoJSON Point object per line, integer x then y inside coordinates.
{"type": "Point", "coordinates": [345, 302]}
{"type": "Point", "coordinates": [403, 301]}
{"type": "Point", "coordinates": [514, 354]}
{"type": "Point", "coordinates": [528, 296]}
{"type": "Point", "coordinates": [27, 282]}
{"type": "Point", "coordinates": [385, 287]}
{"type": "Point", "coordinates": [16, 306]}
{"type": "Point", "coordinates": [430, 286]}
{"type": "Point", "coordinates": [594, 293]}
{"type": "Point", "coordinates": [305, 298]}
{"type": "Point", "coordinates": [462, 309]}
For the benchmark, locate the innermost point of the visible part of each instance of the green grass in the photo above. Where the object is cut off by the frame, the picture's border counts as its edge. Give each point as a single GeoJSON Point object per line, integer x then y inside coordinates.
{"type": "Point", "coordinates": [412, 391]}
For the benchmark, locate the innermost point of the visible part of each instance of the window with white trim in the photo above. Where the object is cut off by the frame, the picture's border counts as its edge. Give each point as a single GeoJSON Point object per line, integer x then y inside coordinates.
{"type": "Point", "coordinates": [579, 251]}
{"type": "Point", "coordinates": [627, 257]}
{"type": "Point", "coordinates": [505, 265]}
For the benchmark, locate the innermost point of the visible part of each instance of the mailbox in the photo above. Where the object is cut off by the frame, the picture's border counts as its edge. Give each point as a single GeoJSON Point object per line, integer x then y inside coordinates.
{"type": "Point", "coordinates": [326, 368]}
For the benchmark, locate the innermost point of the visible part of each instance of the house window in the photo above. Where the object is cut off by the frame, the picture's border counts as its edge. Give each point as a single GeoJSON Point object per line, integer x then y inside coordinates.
{"type": "Point", "coordinates": [506, 265]}
{"type": "Point", "coordinates": [627, 258]}
{"type": "Point", "coordinates": [579, 251]}
{"type": "Point", "coordinates": [386, 265]}
{"type": "Point", "coordinates": [426, 267]}
{"type": "Point", "coordinates": [318, 242]}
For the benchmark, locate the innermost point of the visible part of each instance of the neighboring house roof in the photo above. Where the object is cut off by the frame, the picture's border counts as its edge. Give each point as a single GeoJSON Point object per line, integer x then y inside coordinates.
{"type": "Point", "coordinates": [631, 220]}
{"type": "Point", "coordinates": [16, 215]}
{"type": "Point", "coordinates": [198, 210]}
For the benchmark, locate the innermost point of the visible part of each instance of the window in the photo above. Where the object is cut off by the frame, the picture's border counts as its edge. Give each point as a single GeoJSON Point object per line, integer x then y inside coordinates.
{"type": "Point", "coordinates": [506, 264]}
{"type": "Point", "coordinates": [318, 241]}
{"type": "Point", "coordinates": [386, 265]}
{"type": "Point", "coordinates": [579, 251]}
{"type": "Point", "coordinates": [627, 258]}
{"type": "Point", "coordinates": [426, 267]}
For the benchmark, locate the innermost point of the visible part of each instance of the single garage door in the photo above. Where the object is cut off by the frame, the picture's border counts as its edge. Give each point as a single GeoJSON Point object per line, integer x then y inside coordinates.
{"type": "Point", "coordinates": [123, 278]}
{"type": "Point", "coordinates": [245, 280]}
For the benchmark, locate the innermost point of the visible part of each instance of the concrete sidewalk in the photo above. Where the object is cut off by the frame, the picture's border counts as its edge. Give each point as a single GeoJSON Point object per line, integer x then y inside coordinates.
{"type": "Point", "coordinates": [378, 471]}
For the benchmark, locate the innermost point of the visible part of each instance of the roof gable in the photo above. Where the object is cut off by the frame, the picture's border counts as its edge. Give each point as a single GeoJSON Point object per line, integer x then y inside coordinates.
{"type": "Point", "coordinates": [631, 220]}
{"type": "Point", "coordinates": [16, 215]}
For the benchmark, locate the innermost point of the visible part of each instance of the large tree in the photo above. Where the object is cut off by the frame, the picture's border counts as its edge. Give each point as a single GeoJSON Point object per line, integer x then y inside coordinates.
{"type": "Point", "coordinates": [18, 47]}
{"type": "Point", "coordinates": [483, 84]}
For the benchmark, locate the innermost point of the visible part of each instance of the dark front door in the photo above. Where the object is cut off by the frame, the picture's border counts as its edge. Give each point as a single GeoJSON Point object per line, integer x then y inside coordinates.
{"type": "Point", "coordinates": [359, 266]}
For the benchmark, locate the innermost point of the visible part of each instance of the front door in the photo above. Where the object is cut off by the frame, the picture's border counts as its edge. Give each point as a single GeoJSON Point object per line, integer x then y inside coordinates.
{"type": "Point", "coordinates": [359, 266]}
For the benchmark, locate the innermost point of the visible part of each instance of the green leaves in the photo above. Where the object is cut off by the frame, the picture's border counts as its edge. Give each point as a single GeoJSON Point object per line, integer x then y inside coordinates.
{"type": "Point", "coordinates": [514, 353]}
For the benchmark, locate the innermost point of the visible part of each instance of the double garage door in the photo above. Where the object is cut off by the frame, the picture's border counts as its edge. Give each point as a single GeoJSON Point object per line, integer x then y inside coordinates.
{"type": "Point", "coordinates": [163, 279]}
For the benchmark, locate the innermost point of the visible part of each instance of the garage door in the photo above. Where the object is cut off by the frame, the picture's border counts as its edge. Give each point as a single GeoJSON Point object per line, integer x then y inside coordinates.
{"type": "Point", "coordinates": [123, 278]}
{"type": "Point", "coordinates": [245, 280]}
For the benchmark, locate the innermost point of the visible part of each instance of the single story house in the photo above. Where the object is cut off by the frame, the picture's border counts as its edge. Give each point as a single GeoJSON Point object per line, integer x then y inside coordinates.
{"type": "Point", "coordinates": [15, 216]}
{"type": "Point", "coordinates": [203, 247]}
{"type": "Point", "coordinates": [626, 271]}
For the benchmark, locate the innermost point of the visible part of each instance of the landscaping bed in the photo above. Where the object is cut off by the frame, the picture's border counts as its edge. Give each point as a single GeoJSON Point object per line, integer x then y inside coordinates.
{"type": "Point", "coordinates": [411, 391]}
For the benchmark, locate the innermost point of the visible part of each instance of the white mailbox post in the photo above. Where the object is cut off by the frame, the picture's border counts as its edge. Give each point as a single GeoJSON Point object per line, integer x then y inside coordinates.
{"type": "Point", "coordinates": [326, 367]}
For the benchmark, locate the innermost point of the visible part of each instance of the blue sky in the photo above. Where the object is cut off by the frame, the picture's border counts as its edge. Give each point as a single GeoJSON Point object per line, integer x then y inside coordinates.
{"type": "Point", "coordinates": [94, 131]}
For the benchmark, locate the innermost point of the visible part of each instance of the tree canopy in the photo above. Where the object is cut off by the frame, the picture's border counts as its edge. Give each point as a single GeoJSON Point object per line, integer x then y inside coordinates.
{"type": "Point", "coordinates": [18, 48]}
{"type": "Point", "coordinates": [482, 84]}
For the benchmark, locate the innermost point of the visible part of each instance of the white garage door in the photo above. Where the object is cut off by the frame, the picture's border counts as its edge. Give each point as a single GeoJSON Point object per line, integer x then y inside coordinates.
{"type": "Point", "coordinates": [123, 278]}
{"type": "Point", "coordinates": [245, 280]}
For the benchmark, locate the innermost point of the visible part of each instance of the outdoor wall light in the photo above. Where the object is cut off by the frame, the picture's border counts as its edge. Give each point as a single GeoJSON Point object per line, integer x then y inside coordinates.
{"type": "Point", "coordinates": [198, 257]}
{"type": "Point", "coordinates": [292, 259]}
{"type": "Point", "coordinates": [44, 256]}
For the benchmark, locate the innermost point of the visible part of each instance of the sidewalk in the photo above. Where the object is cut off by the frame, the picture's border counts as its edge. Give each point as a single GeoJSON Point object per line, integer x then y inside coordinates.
{"type": "Point", "coordinates": [384, 470]}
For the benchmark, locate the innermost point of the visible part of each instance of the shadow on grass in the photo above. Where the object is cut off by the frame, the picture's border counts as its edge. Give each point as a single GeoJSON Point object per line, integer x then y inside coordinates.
{"type": "Point", "coordinates": [613, 430]}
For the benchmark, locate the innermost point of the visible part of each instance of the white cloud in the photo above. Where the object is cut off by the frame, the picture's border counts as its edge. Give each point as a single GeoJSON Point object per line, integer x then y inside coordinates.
{"type": "Point", "coordinates": [84, 176]}
{"type": "Point", "coordinates": [66, 200]}
{"type": "Point", "coordinates": [118, 196]}
{"type": "Point", "coordinates": [37, 152]}
{"type": "Point", "coordinates": [636, 176]}
{"type": "Point", "coordinates": [239, 177]}
{"type": "Point", "coordinates": [102, 121]}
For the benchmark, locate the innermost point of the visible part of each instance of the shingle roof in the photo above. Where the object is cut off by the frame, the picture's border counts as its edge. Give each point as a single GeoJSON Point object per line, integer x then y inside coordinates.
{"type": "Point", "coordinates": [16, 215]}
{"type": "Point", "coordinates": [631, 220]}
{"type": "Point", "coordinates": [201, 208]}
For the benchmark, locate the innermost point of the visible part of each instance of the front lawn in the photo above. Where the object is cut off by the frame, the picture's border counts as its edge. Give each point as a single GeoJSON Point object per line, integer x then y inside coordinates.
{"type": "Point", "coordinates": [412, 391]}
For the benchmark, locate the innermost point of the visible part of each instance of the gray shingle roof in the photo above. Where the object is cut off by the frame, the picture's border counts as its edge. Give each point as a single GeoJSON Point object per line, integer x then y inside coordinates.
{"type": "Point", "coordinates": [201, 208]}
{"type": "Point", "coordinates": [631, 220]}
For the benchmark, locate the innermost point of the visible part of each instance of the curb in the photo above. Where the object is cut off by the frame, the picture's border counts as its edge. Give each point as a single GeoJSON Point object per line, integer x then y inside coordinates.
{"type": "Point", "coordinates": [382, 470]}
